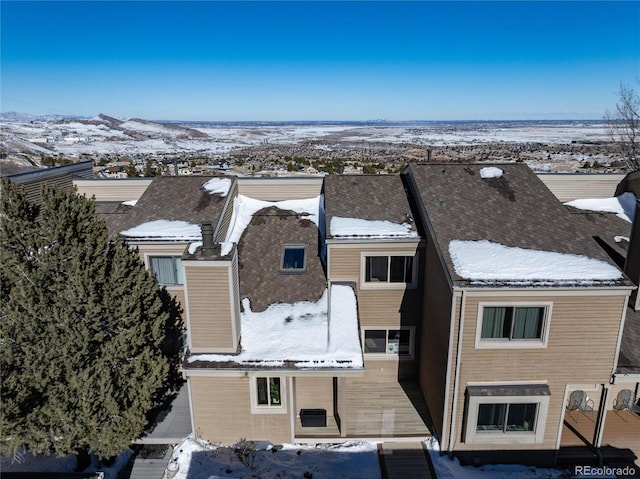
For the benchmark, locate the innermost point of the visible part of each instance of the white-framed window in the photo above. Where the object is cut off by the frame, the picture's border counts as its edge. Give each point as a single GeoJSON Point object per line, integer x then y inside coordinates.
{"type": "Point", "coordinates": [513, 325]}
{"type": "Point", "coordinates": [388, 270]}
{"type": "Point", "coordinates": [506, 413]}
{"type": "Point", "coordinates": [268, 394]}
{"type": "Point", "coordinates": [167, 269]}
{"type": "Point", "coordinates": [389, 342]}
{"type": "Point", "coordinates": [294, 258]}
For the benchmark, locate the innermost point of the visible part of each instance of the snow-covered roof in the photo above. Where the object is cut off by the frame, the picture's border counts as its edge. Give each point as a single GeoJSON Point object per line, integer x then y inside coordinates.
{"type": "Point", "coordinates": [245, 207]}
{"type": "Point", "coordinates": [488, 262]}
{"type": "Point", "coordinates": [304, 334]}
{"type": "Point", "coordinates": [218, 186]}
{"type": "Point", "coordinates": [624, 206]}
{"type": "Point", "coordinates": [165, 230]}
{"type": "Point", "coordinates": [358, 228]}
{"type": "Point", "coordinates": [490, 172]}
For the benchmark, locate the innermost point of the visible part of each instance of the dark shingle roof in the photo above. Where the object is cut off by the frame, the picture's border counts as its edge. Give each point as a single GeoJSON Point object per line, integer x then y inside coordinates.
{"type": "Point", "coordinates": [260, 255]}
{"type": "Point", "coordinates": [379, 197]}
{"type": "Point", "coordinates": [629, 356]}
{"type": "Point", "coordinates": [515, 210]}
{"type": "Point", "coordinates": [171, 198]}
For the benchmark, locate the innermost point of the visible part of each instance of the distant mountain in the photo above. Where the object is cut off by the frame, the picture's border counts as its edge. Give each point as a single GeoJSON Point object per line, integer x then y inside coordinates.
{"type": "Point", "coordinates": [27, 117]}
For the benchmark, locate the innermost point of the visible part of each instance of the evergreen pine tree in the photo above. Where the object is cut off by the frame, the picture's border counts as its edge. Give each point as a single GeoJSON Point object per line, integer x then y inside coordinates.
{"type": "Point", "coordinates": [81, 331]}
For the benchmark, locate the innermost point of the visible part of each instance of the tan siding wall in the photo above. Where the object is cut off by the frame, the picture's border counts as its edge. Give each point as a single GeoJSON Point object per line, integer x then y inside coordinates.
{"type": "Point", "coordinates": [314, 393]}
{"type": "Point", "coordinates": [582, 343]}
{"type": "Point", "coordinates": [222, 413]}
{"type": "Point", "coordinates": [113, 190]}
{"type": "Point", "coordinates": [381, 307]}
{"type": "Point", "coordinates": [567, 187]}
{"type": "Point", "coordinates": [208, 299]}
{"type": "Point", "coordinates": [278, 189]}
{"type": "Point", "coordinates": [435, 336]}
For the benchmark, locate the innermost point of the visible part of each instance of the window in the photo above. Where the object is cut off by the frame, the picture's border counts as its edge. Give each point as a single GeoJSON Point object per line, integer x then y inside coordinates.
{"type": "Point", "coordinates": [507, 417]}
{"type": "Point", "coordinates": [268, 391]}
{"type": "Point", "coordinates": [167, 269]}
{"type": "Point", "coordinates": [293, 258]}
{"type": "Point", "coordinates": [392, 342]}
{"type": "Point", "coordinates": [513, 325]}
{"type": "Point", "coordinates": [507, 414]}
{"type": "Point", "coordinates": [267, 395]}
{"type": "Point", "coordinates": [381, 270]}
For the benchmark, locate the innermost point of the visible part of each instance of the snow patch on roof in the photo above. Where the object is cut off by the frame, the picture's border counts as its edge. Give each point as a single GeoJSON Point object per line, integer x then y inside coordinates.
{"type": "Point", "coordinates": [244, 208]}
{"type": "Point", "coordinates": [355, 227]}
{"type": "Point", "coordinates": [218, 186]}
{"type": "Point", "coordinates": [487, 261]}
{"type": "Point", "coordinates": [130, 202]}
{"type": "Point", "coordinates": [624, 206]}
{"type": "Point", "coordinates": [490, 172]}
{"type": "Point", "coordinates": [165, 230]}
{"type": "Point", "coordinates": [301, 332]}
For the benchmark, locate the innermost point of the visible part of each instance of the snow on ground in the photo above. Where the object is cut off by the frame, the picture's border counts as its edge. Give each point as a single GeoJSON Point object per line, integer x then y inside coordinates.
{"type": "Point", "coordinates": [223, 139]}
{"type": "Point", "coordinates": [355, 227]}
{"type": "Point", "coordinates": [166, 230]}
{"type": "Point", "coordinates": [24, 461]}
{"type": "Point", "coordinates": [487, 261]}
{"type": "Point", "coordinates": [277, 334]}
{"type": "Point", "coordinates": [244, 208]}
{"type": "Point", "coordinates": [451, 469]}
{"type": "Point", "coordinates": [350, 460]}
{"type": "Point", "coordinates": [624, 206]}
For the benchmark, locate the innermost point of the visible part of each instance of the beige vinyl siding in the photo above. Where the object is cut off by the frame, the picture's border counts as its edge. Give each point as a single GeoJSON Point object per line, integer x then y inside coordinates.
{"type": "Point", "coordinates": [384, 308]}
{"type": "Point", "coordinates": [435, 336]}
{"type": "Point", "coordinates": [222, 412]}
{"type": "Point", "coordinates": [314, 393]}
{"type": "Point", "coordinates": [568, 187]}
{"type": "Point", "coordinates": [209, 301]}
{"type": "Point", "coordinates": [225, 221]}
{"type": "Point", "coordinates": [278, 189]}
{"type": "Point", "coordinates": [113, 190]}
{"type": "Point", "coordinates": [581, 348]}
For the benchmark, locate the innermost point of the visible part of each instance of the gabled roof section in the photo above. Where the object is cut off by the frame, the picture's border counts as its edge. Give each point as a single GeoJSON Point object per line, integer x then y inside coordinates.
{"type": "Point", "coordinates": [463, 206]}
{"type": "Point", "coordinates": [367, 207]}
{"type": "Point", "coordinates": [260, 254]}
{"type": "Point", "coordinates": [169, 202]}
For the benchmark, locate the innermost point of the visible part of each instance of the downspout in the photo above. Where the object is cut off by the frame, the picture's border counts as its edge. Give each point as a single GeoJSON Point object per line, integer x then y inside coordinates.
{"type": "Point", "coordinates": [456, 379]}
{"type": "Point", "coordinates": [602, 413]}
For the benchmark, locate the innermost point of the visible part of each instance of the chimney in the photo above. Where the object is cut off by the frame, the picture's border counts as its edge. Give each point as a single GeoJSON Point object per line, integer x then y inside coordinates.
{"type": "Point", "coordinates": [209, 248]}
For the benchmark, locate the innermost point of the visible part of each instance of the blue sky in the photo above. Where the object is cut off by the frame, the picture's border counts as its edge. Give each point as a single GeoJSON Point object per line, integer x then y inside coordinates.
{"type": "Point", "coordinates": [330, 60]}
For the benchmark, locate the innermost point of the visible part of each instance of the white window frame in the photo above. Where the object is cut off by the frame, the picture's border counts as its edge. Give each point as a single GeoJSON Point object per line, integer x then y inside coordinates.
{"type": "Point", "coordinates": [535, 436]}
{"type": "Point", "coordinates": [387, 355]}
{"type": "Point", "coordinates": [179, 270]}
{"type": "Point", "coordinates": [364, 284]}
{"type": "Point", "coordinates": [267, 408]}
{"type": "Point", "coordinates": [506, 343]}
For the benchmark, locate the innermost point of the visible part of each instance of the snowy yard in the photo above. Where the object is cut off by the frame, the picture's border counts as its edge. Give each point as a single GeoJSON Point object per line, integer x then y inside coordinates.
{"type": "Point", "coordinates": [350, 460]}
